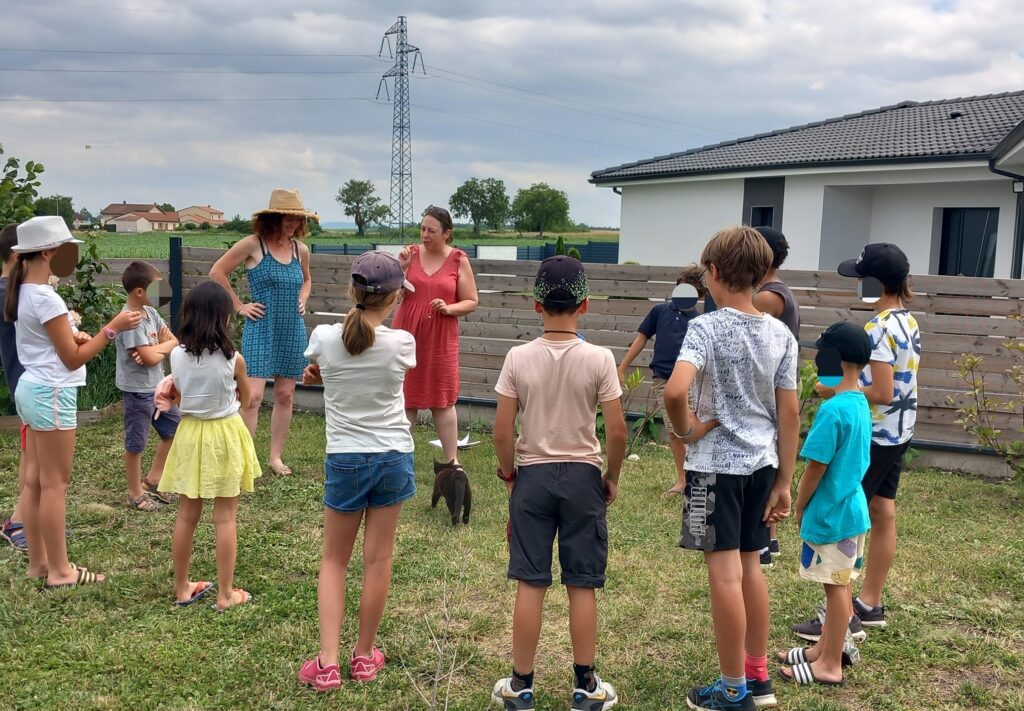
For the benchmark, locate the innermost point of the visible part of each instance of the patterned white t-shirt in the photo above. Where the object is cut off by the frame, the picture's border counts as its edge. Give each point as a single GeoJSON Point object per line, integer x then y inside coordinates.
{"type": "Point", "coordinates": [741, 360]}
{"type": "Point", "coordinates": [896, 341]}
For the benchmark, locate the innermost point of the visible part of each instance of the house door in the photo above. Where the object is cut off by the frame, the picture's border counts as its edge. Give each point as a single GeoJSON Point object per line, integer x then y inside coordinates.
{"type": "Point", "coordinates": [968, 241]}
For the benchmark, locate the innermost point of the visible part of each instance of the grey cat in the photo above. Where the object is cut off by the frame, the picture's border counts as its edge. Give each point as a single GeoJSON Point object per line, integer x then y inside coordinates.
{"type": "Point", "coordinates": [451, 482]}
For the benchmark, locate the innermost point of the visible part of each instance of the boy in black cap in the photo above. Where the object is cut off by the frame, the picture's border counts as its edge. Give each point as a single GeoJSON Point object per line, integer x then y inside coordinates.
{"type": "Point", "coordinates": [553, 474]}
{"type": "Point", "coordinates": [831, 508]}
{"type": "Point", "coordinates": [774, 297]}
{"type": "Point", "coordinates": [890, 385]}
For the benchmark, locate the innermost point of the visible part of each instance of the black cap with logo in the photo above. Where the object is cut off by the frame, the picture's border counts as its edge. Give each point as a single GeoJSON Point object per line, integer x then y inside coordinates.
{"type": "Point", "coordinates": [561, 283]}
{"type": "Point", "coordinates": [883, 261]}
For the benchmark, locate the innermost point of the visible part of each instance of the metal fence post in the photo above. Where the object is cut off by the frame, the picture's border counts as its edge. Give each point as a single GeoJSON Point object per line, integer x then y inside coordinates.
{"type": "Point", "coordinates": [174, 267]}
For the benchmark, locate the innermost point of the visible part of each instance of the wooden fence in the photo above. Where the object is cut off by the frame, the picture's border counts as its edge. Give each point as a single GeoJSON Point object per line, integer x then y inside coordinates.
{"type": "Point", "coordinates": [956, 315]}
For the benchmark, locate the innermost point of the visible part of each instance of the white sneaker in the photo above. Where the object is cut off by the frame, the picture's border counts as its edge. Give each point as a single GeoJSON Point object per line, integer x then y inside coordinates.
{"type": "Point", "coordinates": [602, 698]}
{"type": "Point", "coordinates": [512, 700]}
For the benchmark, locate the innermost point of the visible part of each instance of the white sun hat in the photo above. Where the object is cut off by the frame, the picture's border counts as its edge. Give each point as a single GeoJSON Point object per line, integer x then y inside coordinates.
{"type": "Point", "coordinates": [43, 232]}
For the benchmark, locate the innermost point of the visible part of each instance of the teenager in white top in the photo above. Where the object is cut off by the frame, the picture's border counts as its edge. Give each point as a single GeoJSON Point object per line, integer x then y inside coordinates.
{"type": "Point", "coordinates": [54, 359]}
{"type": "Point", "coordinates": [369, 468]}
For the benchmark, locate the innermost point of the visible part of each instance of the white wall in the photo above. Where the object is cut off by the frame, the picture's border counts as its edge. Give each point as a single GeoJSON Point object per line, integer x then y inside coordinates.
{"type": "Point", "coordinates": [484, 251]}
{"type": "Point", "coordinates": [845, 224]}
{"type": "Point", "coordinates": [906, 215]}
{"type": "Point", "coordinates": [668, 224]}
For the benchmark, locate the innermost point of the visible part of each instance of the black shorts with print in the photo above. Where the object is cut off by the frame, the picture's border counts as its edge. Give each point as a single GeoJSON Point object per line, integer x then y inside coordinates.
{"type": "Point", "coordinates": [723, 512]}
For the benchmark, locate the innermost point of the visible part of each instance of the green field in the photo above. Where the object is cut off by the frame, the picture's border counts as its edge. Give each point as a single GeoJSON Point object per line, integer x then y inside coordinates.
{"type": "Point", "coordinates": [956, 600]}
{"type": "Point", "coordinates": [155, 245]}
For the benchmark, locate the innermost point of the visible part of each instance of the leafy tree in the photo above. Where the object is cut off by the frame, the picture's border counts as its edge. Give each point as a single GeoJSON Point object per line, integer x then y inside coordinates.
{"type": "Point", "coordinates": [57, 205]}
{"type": "Point", "coordinates": [17, 192]}
{"type": "Point", "coordinates": [313, 226]}
{"type": "Point", "coordinates": [540, 207]}
{"type": "Point", "coordinates": [166, 207]}
{"type": "Point", "coordinates": [237, 224]}
{"type": "Point", "coordinates": [189, 226]}
{"type": "Point", "coordinates": [481, 201]}
{"type": "Point", "coordinates": [360, 203]}
{"type": "Point", "coordinates": [205, 225]}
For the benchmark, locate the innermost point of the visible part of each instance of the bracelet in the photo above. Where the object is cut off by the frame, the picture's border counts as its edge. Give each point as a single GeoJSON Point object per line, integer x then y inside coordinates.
{"type": "Point", "coordinates": [684, 435]}
{"type": "Point", "coordinates": [506, 477]}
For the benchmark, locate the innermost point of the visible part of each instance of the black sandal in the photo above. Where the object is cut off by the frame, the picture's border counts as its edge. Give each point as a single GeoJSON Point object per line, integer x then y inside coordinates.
{"type": "Point", "coordinates": [151, 489]}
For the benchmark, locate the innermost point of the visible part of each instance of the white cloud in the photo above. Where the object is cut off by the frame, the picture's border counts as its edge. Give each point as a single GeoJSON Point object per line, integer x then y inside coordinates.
{"type": "Point", "coordinates": [709, 69]}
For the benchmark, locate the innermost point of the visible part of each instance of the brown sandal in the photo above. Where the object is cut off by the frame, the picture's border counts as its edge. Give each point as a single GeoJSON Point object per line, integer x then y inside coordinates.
{"type": "Point", "coordinates": [153, 491]}
{"type": "Point", "coordinates": [85, 577]}
{"type": "Point", "coordinates": [146, 503]}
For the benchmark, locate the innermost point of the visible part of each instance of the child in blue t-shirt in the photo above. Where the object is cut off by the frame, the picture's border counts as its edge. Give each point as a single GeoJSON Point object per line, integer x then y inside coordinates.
{"type": "Point", "coordinates": [831, 508]}
{"type": "Point", "coordinates": [667, 324]}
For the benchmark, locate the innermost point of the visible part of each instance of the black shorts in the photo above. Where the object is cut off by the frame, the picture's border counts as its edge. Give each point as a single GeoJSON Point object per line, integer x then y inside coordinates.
{"type": "Point", "coordinates": [724, 512]}
{"type": "Point", "coordinates": [562, 497]}
{"type": "Point", "coordinates": [883, 475]}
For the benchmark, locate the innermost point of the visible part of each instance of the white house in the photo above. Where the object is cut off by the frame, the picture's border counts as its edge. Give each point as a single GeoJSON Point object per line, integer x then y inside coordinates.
{"type": "Point", "coordinates": [132, 222]}
{"type": "Point", "coordinates": [942, 179]}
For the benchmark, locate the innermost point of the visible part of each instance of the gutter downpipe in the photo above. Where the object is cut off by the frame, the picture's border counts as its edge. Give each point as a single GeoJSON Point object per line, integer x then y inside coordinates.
{"type": "Point", "coordinates": [1018, 230]}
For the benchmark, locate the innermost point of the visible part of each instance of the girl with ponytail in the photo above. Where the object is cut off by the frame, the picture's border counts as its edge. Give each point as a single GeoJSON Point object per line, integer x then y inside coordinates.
{"type": "Point", "coordinates": [369, 468]}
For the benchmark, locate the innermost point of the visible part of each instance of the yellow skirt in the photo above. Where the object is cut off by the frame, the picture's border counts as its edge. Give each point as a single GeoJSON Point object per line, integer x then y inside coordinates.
{"type": "Point", "coordinates": [210, 458]}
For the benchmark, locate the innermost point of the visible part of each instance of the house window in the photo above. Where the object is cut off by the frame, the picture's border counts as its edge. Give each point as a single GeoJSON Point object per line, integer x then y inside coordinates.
{"type": "Point", "coordinates": [762, 216]}
{"type": "Point", "coordinates": [968, 241]}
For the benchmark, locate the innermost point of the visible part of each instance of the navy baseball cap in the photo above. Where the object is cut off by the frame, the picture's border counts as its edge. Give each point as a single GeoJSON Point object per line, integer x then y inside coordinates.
{"type": "Point", "coordinates": [561, 283]}
{"type": "Point", "coordinates": [850, 340]}
{"type": "Point", "coordinates": [881, 260]}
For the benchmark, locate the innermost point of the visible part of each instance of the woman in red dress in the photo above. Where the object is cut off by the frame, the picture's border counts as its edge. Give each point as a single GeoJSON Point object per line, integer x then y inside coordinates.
{"type": "Point", "coordinates": [445, 290]}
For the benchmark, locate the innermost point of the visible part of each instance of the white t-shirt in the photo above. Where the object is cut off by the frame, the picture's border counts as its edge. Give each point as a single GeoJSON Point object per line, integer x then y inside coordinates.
{"type": "Point", "coordinates": [363, 397]}
{"type": "Point", "coordinates": [37, 305]}
{"type": "Point", "coordinates": [206, 384]}
{"type": "Point", "coordinates": [559, 385]}
{"type": "Point", "coordinates": [742, 359]}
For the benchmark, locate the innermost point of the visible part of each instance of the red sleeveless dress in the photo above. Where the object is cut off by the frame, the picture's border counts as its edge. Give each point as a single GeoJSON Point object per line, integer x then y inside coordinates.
{"type": "Point", "coordinates": [434, 382]}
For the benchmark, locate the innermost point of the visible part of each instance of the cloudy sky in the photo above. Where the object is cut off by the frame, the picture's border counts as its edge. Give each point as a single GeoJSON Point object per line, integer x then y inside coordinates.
{"type": "Point", "coordinates": [179, 103]}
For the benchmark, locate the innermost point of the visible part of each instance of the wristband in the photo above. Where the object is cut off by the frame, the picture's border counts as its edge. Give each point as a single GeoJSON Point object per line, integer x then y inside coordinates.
{"type": "Point", "coordinates": [506, 477]}
{"type": "Point", "coordinates": [110, 333]}
{"type": "Point", "coordinates": [684, 435]}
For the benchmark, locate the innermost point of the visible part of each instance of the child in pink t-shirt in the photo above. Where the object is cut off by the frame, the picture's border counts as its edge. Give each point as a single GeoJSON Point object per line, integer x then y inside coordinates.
{"type": "Point", "coordinates": [553, 473]}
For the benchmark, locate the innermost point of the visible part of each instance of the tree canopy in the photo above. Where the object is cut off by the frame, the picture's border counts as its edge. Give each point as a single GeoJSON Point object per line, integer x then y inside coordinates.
{"type": "Point", "coordinates": [57, 205]}
{"type": "Point", "coordinates": [361, 204]}
{"type": "Point", "coordinates": [540, 207]}
{"type": "Point", "coordinates": [481, 201]}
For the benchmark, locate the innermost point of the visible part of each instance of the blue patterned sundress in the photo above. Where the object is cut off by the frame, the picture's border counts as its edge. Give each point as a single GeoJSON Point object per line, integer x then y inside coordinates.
{"type": "Point", "coordinates": [274, 345]}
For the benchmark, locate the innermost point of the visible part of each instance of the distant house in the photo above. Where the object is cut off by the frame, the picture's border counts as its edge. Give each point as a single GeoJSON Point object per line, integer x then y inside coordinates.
{"type": "Point", "coordinates": [123, 208]}
{"type": "Point", "coordinates": [198, 214]}
{"type": "Point", "coordinates": [133, 222]}
{"type": "Point", "coordinates": [942, 179]}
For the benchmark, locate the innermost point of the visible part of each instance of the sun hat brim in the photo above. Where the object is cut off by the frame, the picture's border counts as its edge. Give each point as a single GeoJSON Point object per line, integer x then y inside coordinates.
{"type": "Point", "coordinates": [42, 248]}
{"type": "Point", "coordinates": [284, 211]}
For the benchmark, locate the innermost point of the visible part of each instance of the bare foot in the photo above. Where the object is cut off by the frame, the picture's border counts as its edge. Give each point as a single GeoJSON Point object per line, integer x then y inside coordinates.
{"type": "Point", "coordinates": [279, 467]}
{"type": "Point", "coordinates": [237, 596]}
{"type": "Point", "coordinates": [673, 491]}
{"type": "Point", "coordinates": [821, 674]}
{"type": "Point", "coordinates": [193, 591]}
{"type": "Point", "coordinates": [74, 575]}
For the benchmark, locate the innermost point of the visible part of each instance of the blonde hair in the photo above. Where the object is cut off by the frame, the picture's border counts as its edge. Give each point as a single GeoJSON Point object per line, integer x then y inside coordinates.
{"type": "Point", "coordinates": [357, 333]}
{"type": "Point", "coordinates": [741, 256]}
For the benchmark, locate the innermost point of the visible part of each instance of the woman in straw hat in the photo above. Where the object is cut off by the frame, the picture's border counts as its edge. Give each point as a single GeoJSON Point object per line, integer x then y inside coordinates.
{"type": "Point", "coordinates": [274, 337]}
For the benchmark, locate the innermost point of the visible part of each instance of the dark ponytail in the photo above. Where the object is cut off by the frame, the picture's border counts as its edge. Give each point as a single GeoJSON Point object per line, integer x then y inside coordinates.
{"type": "Point", "coordinates": [14, 283]}
{"type": "Point", "coordinates": [357, 333]}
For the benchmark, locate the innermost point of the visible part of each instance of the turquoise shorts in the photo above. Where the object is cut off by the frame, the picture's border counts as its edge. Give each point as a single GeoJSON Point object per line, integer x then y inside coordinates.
{"type": "Point", "coordinates": [45, 408]}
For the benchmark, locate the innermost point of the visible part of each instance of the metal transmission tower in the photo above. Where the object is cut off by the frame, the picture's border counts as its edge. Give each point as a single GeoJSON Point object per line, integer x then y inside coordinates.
{"type": "Point", "coordinates": [401, 138]}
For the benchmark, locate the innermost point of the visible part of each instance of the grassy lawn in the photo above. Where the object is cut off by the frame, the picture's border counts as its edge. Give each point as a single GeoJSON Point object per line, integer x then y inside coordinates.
{"type": "Point", "coordinates": [956, 596]}
{"type": "Point", "coordinates": [155, 245]}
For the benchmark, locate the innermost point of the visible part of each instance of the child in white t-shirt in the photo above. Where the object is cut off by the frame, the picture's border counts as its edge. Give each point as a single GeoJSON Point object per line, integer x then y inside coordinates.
{"type": "Point", "coordinates": [54, 360]}
{"type": "Point", "coordinates": [369, 467]}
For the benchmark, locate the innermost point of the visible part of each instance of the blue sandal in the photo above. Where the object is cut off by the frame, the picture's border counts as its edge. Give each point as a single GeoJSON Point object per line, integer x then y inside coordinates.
{"type": "Point", "coordinates": [14, 533]}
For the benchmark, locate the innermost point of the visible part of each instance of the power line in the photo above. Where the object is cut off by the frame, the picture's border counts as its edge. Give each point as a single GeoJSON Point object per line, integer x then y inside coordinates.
{"type": "Point", "coordinates": [196, 100]}
{"type": "Point", "coordinates": [188, 54]}
{"type": "Point", "coordinates": [574, 108]}
{"type": "Point", "coordinates": [530, 130]}
{"type": "Point", "coordinates": [179, 71]}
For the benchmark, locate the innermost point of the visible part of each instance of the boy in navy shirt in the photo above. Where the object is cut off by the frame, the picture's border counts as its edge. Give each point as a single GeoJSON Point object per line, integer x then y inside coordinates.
{"type": "Point", "coordinates": [831, 507]}
{"type": "Point", "coordinates": [667, 324]}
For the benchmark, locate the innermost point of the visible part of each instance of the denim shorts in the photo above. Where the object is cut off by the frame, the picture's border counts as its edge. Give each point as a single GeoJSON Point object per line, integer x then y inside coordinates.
{"type": "Point", "coordinates": [138, 418]}
{"type": "Point", "coordinates": [46, 408]}
{"type": "Point", "coordinates": [354, 482]}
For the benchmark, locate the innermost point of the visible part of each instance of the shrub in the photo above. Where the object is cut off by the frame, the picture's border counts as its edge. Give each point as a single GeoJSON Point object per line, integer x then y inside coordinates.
{"type": "Point", "coordinates": [572, 252]}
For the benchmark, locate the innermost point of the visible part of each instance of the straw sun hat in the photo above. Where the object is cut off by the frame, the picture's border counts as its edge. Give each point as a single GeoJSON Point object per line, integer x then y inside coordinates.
{"type": "Point", "coordinates": [286, 202]}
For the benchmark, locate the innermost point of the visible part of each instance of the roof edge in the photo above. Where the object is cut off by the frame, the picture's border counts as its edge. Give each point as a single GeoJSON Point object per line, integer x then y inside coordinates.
{"type": "Point", "coordinates": [957, 158]}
